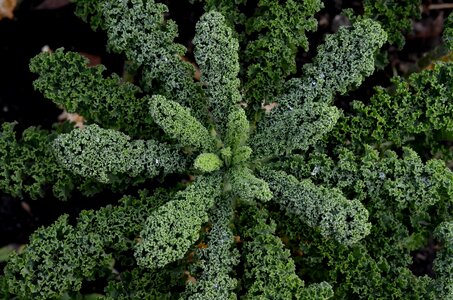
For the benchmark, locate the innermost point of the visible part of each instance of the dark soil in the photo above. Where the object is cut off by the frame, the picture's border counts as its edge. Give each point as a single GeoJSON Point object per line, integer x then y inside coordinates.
{"type": "Point", "coordinates": [32, 28]}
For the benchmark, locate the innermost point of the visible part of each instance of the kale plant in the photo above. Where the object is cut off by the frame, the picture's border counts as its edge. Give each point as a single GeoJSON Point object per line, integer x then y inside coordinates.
{"type": "Point", "coordinates": [292, 200]}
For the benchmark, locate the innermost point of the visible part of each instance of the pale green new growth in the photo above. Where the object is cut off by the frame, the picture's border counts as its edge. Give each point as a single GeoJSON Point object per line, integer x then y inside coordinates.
{"type": "Point", "coordinates": [103, 154]}
{"type": "Point", "coordinates": [241, 155]}
{"type": "Point", "coordinates": [170, 230]}
{"type": "Point", "coordinates": [237, 129]}
{"type": "Point", "coordinates": [208, 162]}
{"type": "Point", "coordinates": [344, 220]}
{"type": "Point", "coordinates": [179, 124]}
{"type": "Point", "coordinates": [216, 52]}
{"type": "Point", "coordinates": [246, 186]}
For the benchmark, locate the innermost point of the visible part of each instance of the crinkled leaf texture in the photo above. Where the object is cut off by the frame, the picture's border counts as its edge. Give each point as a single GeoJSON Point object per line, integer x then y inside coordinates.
{"type": "Point", "coordinates": [171, 229]}
{"type": "Point", "coordinates": [261, 205]}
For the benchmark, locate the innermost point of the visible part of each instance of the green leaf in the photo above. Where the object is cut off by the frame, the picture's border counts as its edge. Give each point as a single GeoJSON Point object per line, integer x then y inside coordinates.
{"type": "Point", "coordinates": [208, 162]}
{"type": "Point", "coordinates": [179, 124]}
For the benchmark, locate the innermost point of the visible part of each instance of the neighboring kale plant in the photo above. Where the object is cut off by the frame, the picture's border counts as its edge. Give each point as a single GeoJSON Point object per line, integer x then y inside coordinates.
{"type": "Point", "coordinates": [271, 209]}
{"type": "Point", "coordinates": [396, 16]}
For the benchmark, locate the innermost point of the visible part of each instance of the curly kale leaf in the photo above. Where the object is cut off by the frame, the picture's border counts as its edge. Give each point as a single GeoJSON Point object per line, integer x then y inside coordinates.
{"type": "Point", "coordinates": [218, 259]}
{"type": "Point", "coordinates": [395, 16]}
{"type": "Point", "coordinates": [59, 258]}
{"type": "Point", "coordinates": [419, 107]}
{"type": "Point", "coordinates": [281, 29]}
{"type": "Point", "coordinates": [103, 154]}
{"type": "Point", "coordinates": [138, 29]}
{"type": "Point", "coordinates": [66, 79]}
{"type": "Point", "coordinates": [208, 162]}
{"type": "Point", "coordinates": [346, 221]}
{"type": "Point", "coordinates": [170, 230]}
{"type": "Point", "coordinates": [90, 11]}
{"type": "Point", "coordinates": [342, 63]}
{"type": "Point", "coordinates": [269, 270]}
{"type": "Point", "coordinates": [286, 130]}
{"type": "Point", "coordinates": [28, 166]}
{"type": "Point", "coordinates": [273, 34]}
{"type": "Point", "coordinates": [238, 129]}
{"type": "Point", "coordinates": [443, 265]}
{"type": "Point", "coordinates": [178, 122]}
{"type": "Point", "coordinates": [216, 52]}
{"type": "Point", "coordinates": [248, 187]}
{"type": "Point", "coordinates": [56, 260]}
{"type": "Point", "coordinates": [404, 189]}
{"type": "Point", "coordinates": [143, 44]}
{"type": "Point", "coordinates": [303, 114]}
